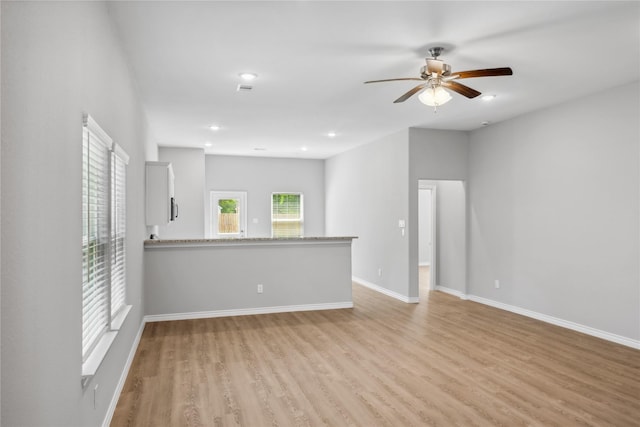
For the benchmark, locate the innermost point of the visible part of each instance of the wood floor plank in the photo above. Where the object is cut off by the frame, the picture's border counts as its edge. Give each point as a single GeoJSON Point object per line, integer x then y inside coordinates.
{"type": "Point", "coordinates": [441, 362]}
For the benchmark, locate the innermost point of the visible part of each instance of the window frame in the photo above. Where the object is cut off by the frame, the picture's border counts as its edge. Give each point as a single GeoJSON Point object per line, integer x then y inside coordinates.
{"type": "Point", "coordinates": [299, 220]}
{"type": "Point", "coordinates": [104, 220]}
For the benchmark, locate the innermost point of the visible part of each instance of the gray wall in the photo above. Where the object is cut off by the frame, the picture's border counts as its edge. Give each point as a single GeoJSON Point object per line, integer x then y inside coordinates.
{"type": "Point", "coordinates": [59, 60]}
{"type": "Point", "coordinates": [554, 211]}
{"type": "Point", "coordinates": [366, 196]}
{"type": "Point", "coordinates": [189, 171]}
{"type": "Point", "coordinates": [260, 177]}
{"type": "Point", "coordinates": [433, 155]}
{"type": "Point", "coordinates": [425, 226]}
{"type": "Point", "coordinates": [451, 214]}
{"type": "Point", "coordinates": [204, 279]}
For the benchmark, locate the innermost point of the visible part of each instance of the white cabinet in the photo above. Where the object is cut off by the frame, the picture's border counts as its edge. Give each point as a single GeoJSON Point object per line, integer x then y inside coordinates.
{"type": "Point", "coordinates": [161, 207]}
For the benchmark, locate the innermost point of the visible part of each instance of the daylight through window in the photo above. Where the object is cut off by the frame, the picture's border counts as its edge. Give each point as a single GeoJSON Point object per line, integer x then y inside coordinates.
{"type": "Point", "coordinates": [287, 215]}
{"type": "Point", "coordinates": [103, 234]}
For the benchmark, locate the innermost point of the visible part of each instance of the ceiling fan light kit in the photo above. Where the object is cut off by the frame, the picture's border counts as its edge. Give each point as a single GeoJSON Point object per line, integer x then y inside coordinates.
{"type": "Point", "coordinates": [436, 76]}
{"type": "Point", "coordinates": [434, 96]}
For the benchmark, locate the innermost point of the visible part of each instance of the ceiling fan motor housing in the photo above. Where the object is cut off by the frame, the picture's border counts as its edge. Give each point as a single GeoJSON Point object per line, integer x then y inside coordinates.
{"type": "Point", "coordinates": [436, 51]}
{"type": "Point", "coordinates": [435, 66]}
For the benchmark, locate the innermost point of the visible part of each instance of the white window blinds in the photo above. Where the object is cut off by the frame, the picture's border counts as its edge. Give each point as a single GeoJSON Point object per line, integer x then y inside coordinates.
{"type": "Point", "coordinates": [287, 215]}
{"type": "Point", "coordinates": [118, 229]}
{"type": "Point", "coordinates": [103, 233]}
{"type": "Point", "coordinates": [95, 234]}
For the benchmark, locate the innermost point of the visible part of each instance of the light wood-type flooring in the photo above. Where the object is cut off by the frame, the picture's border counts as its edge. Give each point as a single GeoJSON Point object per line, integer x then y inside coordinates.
{"type": "Point", "coordinates": [444, 362]}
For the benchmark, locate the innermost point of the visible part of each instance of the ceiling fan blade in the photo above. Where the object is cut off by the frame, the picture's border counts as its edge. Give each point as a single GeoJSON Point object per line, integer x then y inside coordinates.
{"type": "Point", "coordinates": [461, 89]}
{"type": "Point", "coordinates": [409, 94]}
{"type": "Point", "coordinates": [393, 80]}
{"type": "Point", "coordinates": [489, 72]}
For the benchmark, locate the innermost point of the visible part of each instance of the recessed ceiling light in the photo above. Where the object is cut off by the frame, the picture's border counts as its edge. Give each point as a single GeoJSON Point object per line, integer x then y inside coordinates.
{"type": "Point", "coordinates": [303, 148]}
{"type": "Point", "coordinates": [248, 76]}
{"type": "Point", "coordinates": [332, 134]}
{"type": "Point", "coordinates": [485, 123]}
{"type": "Point", "coordinates": [259, 149]}
{"type": "Point", "coordinates": [214, 127]}
{"type": "Point", "coordinates": [208, 144]}
{"type": "Point", "coordinates": [488, 97]}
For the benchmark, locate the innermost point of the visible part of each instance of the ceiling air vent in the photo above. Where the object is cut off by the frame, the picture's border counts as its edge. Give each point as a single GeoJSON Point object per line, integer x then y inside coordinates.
{"type": "Point", "coordinates": [244, 88]}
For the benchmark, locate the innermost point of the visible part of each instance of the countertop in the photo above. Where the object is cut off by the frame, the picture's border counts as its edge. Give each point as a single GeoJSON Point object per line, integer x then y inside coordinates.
{"type": "Point", "coordinates": [163, 243]}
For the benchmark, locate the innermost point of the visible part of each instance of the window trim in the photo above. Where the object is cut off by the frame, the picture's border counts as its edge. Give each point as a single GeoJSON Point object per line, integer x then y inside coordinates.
{"type": "Point", "coordinates": [301, 217]}
{"type": "Point", "coordinates": [94, 354]}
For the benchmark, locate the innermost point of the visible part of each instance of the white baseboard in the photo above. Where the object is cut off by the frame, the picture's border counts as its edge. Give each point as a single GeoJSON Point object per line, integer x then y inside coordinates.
{"type": "Point", "coordinates": [559, 322]}
{"type": "Point", "coordinates": [385, 291]}
{"type": "Point", "coordinates": [123, 377]}
{"type": "Point", "coordinates": [247, 311]}
{"type": "Point", "coordinates": [518, 310]}
{"type": "Point", "coordinates": [450, 291]}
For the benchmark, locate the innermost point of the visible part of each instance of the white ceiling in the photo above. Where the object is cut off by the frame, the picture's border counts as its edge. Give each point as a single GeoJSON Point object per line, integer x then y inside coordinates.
{"type": "Point", "coordinates": [312, 58]}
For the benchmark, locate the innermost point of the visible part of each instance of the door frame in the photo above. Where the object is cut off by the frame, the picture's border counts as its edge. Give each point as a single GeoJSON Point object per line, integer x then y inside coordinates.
{"type": "Point", "coordinates": [434, 233]}
{"type": "Point", "coordinates": [214, 196]}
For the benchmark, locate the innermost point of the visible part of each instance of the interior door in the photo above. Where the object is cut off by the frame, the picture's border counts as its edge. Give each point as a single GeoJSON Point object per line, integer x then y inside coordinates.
{"type": "Point", "coordinates": [228, 214]}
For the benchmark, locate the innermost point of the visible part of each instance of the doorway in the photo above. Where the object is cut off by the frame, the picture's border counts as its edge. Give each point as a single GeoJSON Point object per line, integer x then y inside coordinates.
{"type": "Point", "coordinates": [442, 239]}
{"type": "Point", "coordinates": [228, 214]}
{"type": "Point", "coordinates": [427, 237]}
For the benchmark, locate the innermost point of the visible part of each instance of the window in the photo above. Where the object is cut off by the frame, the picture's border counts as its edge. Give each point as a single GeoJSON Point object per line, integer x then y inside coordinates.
{"type": "Point", "coordinates": [103, 242]}
{"type": "Point", "coordinates": [118, 229]}
{"type": "Point", "coordinates": [287, 215]}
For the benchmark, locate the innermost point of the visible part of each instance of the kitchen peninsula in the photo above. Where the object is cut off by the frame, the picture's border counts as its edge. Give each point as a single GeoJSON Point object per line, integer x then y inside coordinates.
{"type": "Point", "coordinates": [198, 278]}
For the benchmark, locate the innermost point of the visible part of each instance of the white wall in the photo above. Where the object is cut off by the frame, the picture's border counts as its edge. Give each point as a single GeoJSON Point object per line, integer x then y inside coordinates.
{"type": "Point", "coordinates": [188, 168]}
{"type": "Point", "coordinates": [554, 211]}
{"type": "Point", "coordinates": [59, 60]}
{"type": "Point", "coordinates": [260, 177]}
{"type": "Point", "coordinates": [366, 196]}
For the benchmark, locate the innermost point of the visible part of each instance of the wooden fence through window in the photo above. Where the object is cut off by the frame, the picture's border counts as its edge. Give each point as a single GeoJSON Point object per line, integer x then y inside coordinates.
{"type": "Point", "coordinates": [228, 223]}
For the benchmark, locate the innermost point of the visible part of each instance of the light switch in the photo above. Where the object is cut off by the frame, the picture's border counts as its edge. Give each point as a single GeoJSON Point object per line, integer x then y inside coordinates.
{"type": "Point", "coordinates": [401, 223]}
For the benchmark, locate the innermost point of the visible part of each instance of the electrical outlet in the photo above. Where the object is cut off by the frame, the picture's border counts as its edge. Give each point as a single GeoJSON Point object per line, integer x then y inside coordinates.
{"type": "Point", "coordinates": [260, 288]}
{"type": "Point", "coordinates": [497, 284]}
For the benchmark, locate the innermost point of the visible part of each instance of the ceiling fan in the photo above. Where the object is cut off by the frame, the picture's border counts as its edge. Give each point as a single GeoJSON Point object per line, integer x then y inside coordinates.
{"type": "Point", "coordinates": [436, 75]}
